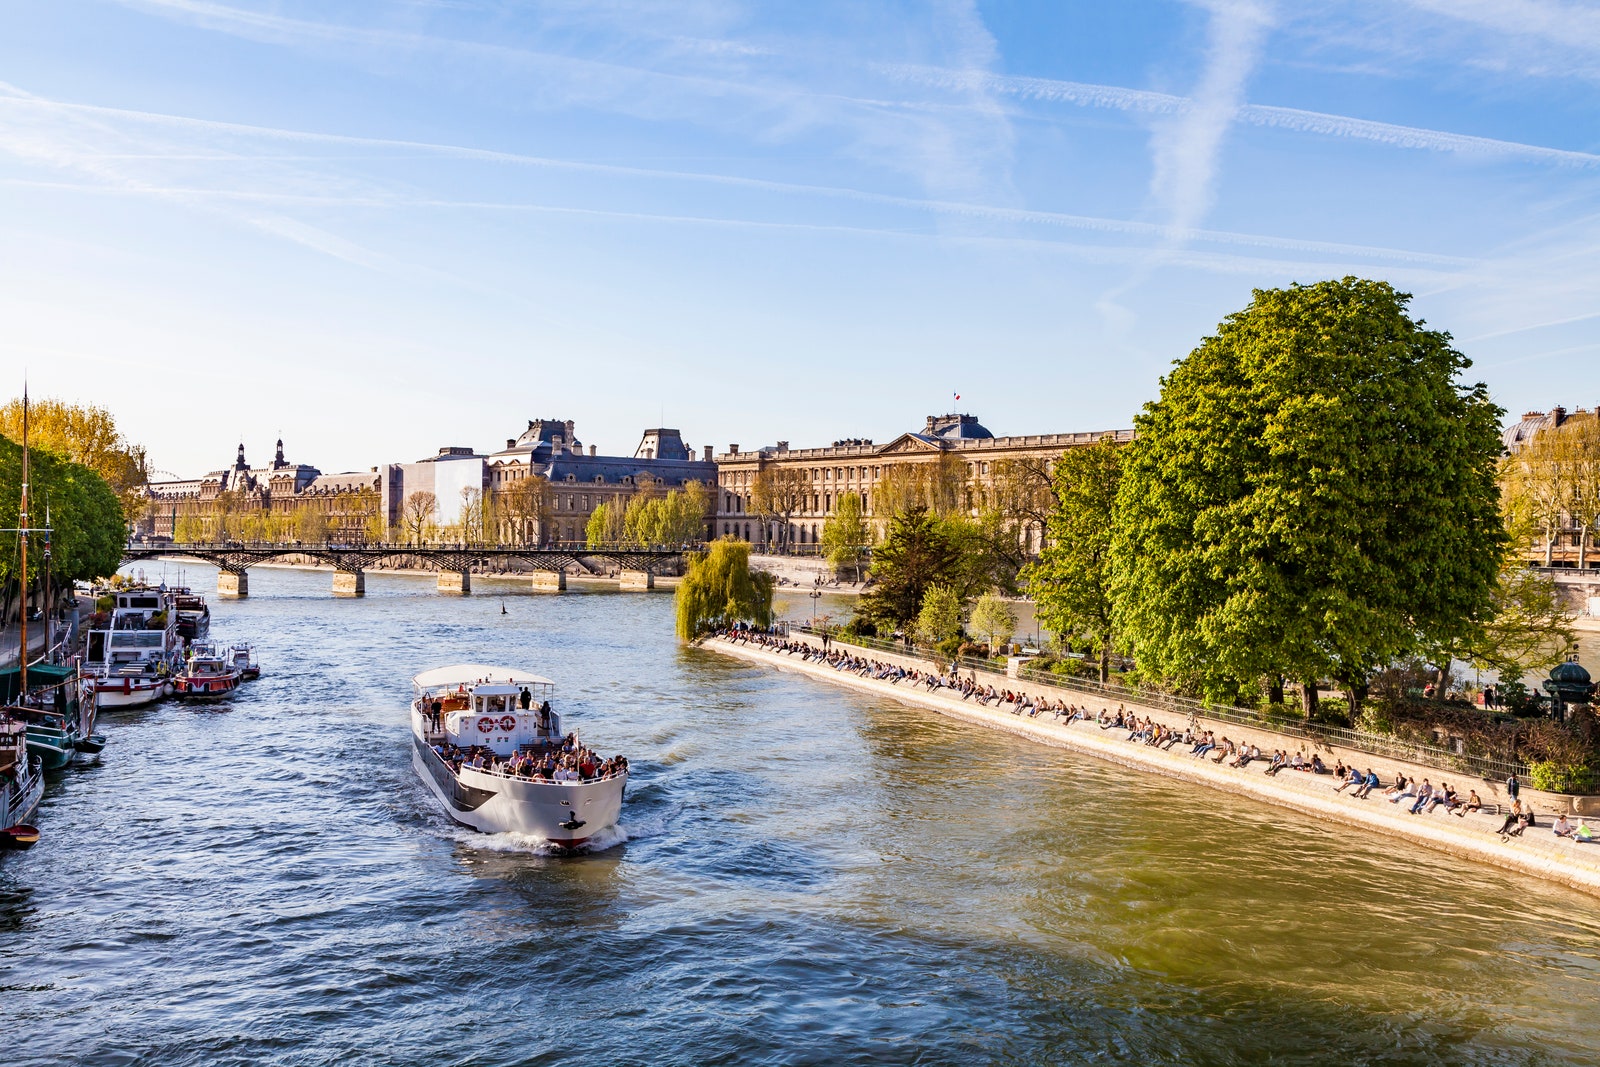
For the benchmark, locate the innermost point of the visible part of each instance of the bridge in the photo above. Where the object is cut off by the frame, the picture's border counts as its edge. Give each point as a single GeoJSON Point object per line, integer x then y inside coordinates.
{"type": "Point", "coordinates": [637, 565]}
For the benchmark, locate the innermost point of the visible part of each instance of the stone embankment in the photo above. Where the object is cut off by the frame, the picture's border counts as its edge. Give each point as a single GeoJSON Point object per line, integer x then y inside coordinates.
{"type": "Point", "coordinates": [1537, 851]}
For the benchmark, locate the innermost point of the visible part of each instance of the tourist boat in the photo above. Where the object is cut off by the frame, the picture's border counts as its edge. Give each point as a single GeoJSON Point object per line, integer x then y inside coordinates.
{"type": "Point", "coordinates": [208, 676]}
{"type": "Point", "coordinates": [471, 710]}
{"type": "Point", "coordinates": [243, 660]}
{"type": "Point", "coordinates": [21, 786]}
{"type": "Point", "coordinates": [129, 663]}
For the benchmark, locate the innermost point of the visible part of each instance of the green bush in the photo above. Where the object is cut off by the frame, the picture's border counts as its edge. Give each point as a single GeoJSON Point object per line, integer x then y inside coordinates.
{"type": "Point", "coordinates": [105, 603]}
{"type": "Point", "coordinates": [1553, 777]}
{"type": "Point", "coordinates": [859, 627]}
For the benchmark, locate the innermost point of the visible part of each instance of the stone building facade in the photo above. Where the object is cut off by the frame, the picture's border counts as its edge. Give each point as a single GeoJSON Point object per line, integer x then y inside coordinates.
{"type": "Point", "coordinates": [543, 486]}
{"type": "Point", "coordinates": [952, 454]}
{"type": "Point", "coordinates": [345, 503]}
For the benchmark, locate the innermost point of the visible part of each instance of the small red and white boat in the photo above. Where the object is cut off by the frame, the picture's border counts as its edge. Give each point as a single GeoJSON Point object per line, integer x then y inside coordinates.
{"type": "Point", "coordinates": [208, 676]}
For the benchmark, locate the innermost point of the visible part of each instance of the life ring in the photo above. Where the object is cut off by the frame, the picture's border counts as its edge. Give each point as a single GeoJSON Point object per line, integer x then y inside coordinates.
{"type": "Point", "coordinates": [508, 723]}
{"type": "Point", "coordinates": [486, 726]}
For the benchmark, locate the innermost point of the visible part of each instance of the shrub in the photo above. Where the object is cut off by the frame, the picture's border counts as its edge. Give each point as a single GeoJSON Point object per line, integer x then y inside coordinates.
{"type": "Point", "coordinates": [1558, 777]}
{"type": "Point", "coordinates": [859, 627]}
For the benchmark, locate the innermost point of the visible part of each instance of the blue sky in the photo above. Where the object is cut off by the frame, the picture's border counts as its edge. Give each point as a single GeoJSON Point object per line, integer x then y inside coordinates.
{"type": "Point", "coordinates": [382, 226]}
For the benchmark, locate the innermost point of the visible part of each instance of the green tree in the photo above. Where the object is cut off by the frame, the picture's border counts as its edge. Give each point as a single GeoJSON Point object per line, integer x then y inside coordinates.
{"type": "Point", "coordinates": [940, 617]}
{"type": "Point", "coordinates": [1071, 581]}
{"type": "Point", "coordinates": [1312, 496]}
{"type": "Point", "coordinates": [720, 588]}
{"type": "Point", "coordinates": [917, 553]}
{"type": "Point", "coordinates": [85, 516]}
{"type": "Point", "coordinates": [993, 617]}
{"type": "Point", "coordinates": [846, 536]}
{"type": "Point", "coordinates": [86, 435]}
{"type": "Point", "coordinates": [607, 524]}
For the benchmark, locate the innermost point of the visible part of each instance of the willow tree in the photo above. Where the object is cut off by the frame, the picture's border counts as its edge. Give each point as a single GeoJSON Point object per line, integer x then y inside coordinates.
{"type": "Point", "coordinates": [1313, 495]}
{"type": "Point", "coordinates": [720, 588]}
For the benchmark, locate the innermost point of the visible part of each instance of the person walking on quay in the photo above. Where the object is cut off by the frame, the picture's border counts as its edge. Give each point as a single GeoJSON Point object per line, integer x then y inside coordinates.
{"type": "Point", "coordinates": [1513, 787]}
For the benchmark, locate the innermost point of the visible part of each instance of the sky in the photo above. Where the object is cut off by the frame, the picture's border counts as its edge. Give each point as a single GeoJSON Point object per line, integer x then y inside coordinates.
{"type": "Point", "coordinates": [377, 227]}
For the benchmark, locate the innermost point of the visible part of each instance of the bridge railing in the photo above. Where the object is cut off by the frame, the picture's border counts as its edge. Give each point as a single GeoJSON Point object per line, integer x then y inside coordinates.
{"type": "Point", "coordinates": [401, 547]}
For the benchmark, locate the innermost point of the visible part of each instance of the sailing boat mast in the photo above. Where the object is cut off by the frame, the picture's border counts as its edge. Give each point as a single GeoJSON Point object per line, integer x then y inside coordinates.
{"type": "Point", "coordinates": [22, 654]}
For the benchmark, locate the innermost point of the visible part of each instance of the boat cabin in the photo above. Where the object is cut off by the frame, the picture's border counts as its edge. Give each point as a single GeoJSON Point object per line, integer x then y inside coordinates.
{"type": "Point", "coordinates": [488, 713]}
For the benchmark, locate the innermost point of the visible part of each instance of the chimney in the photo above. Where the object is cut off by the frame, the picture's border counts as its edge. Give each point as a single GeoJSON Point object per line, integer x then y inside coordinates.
{"type": "Point", "coordinates": [511, 442]}
{"type": "Point", "coordinates": [783, 446]}
{"type": "Point", "coordinates": [593, 449]}
{"type": "Point", "coordinates": [733, 450]}
{"type": "Point", "coordinates": [708, 454]}
{"type": "Point", "coordinates": [1558, 415]}
{"type": "Point", "coordinates": [556, 440]}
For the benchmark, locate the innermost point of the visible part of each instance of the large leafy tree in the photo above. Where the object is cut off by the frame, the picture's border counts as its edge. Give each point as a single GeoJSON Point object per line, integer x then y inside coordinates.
{"type": "Point", "coordinates": [917, 553]}
{"type": "Point", "coordinates": [1071, 582]}
{"type": "Point", "coordinates": [1312, 496]}
{"type": "Point", "coordinates": [85, 517]}
{"type": "Point", "coordinates": [720, 588]}
{"type": "Point", "coordinates": [84, 434]}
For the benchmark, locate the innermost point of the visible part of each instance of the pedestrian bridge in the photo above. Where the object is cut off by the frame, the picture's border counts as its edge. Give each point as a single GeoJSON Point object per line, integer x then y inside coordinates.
{"type": "Point", "coordinates": [637, 565]}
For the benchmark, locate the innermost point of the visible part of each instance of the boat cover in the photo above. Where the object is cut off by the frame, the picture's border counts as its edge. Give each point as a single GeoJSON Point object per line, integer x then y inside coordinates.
{"type": "Point", "coordinates": [40, 676]}
{"type": "Point", "coordinates": [475, 674]}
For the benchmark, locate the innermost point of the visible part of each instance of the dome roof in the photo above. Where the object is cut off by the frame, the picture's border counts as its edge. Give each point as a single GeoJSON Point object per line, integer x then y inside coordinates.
{"type": "Point", "coordinates": [1570, 673]}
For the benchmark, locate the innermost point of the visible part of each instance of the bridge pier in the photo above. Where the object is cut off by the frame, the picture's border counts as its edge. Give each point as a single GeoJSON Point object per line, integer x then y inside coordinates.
{"type": "Point", "coordinates": [638, 579]}
{"type": "Point", "coordinates": [350, 583]}
{"type": "Point", "coordinates": [233, 584]}
{"type": "Point", "coordinates": [549, 581]}
{"type": "Point", "coordinates": [455, 582]}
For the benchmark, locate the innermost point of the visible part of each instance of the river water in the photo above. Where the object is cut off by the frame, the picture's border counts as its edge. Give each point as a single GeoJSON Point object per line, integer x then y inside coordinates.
{"type": "Point", "coordinates": [809, 876]}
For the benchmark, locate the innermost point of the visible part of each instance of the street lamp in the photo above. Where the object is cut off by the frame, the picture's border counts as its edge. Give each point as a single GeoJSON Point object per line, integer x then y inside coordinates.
{"type": "Point", "coordinates": [815, 595]}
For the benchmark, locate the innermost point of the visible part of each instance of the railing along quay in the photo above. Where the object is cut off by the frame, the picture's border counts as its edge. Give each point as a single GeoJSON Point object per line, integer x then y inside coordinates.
{"type": "Point", "coordinates": [1436, 756]}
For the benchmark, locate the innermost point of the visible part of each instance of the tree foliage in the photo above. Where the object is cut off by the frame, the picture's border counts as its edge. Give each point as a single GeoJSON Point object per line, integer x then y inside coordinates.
{"type": "Point", "coordinates": [917, 553]}
{"type": "Point", "coordinates": [994, 618]}
{"type": "Point", "coordinates": [1311, 496]}
{"type": "Point", "coordinates": [846, 535]}
{"type": "Point", "coordinates": [1071, 582]}
{"type": "Point", "coordinates": [776, 493]}
{"type": "Point", "coordinates": [940, 616]}
{"type": "Point", "coordinates": [85, 516]}
{"type": "Point", "coordinates": [86, 435]}
{"type": "Point", "coordinates": [1553, 480]}
{"type": "Point", "coordinates": [720, 588]}
{"type": "Point", "coordinates": [419, 513]}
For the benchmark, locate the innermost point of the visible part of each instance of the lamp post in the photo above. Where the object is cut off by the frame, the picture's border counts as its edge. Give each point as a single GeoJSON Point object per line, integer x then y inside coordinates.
{"type": "Point", "coordinates": [815, 595]}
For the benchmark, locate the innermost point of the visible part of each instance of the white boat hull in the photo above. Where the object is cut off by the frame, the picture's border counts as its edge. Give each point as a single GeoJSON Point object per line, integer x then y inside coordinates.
{"type": "Point", "coordinates": [111, 694]}
{"type": "Point", "coordinates": [565, 814]}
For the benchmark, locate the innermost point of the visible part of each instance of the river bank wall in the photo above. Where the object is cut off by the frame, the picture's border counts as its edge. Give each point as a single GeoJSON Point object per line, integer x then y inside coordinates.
{"type": "Point", "coordinates": [1537, 852]}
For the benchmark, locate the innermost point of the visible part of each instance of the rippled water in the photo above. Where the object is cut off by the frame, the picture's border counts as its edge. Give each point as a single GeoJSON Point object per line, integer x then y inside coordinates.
{"type": "Point", "coordinates": [809, 876]}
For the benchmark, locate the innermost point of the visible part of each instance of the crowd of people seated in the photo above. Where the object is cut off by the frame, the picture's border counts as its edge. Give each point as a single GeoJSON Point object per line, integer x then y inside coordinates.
{"type": "Point", "coordinates": [565, 761]}
{"type": "Point", "coordinates": [1422, 798]}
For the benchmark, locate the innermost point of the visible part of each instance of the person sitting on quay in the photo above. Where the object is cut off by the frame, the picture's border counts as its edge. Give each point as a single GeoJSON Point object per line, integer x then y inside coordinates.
{"type": "Point", "coordinates": [1424, 794]}
{"type": "Point", "coordinates": [1472, 804]}
{"type": "Point", "coordinates": [1445, 796]}
{"type": "Point", "coordinates": [1562, 827]}
{"type": "Point", "coordinates": [1368, 783]}
{"type": "Point", "coordinates": [1394, 791]}
{"type": "Point", "coordinates": [1226, 749]}
{"type": "Point", "coordinates": [1513, 824]}
{"type": "Point", "coordinates": [1408, 790]}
